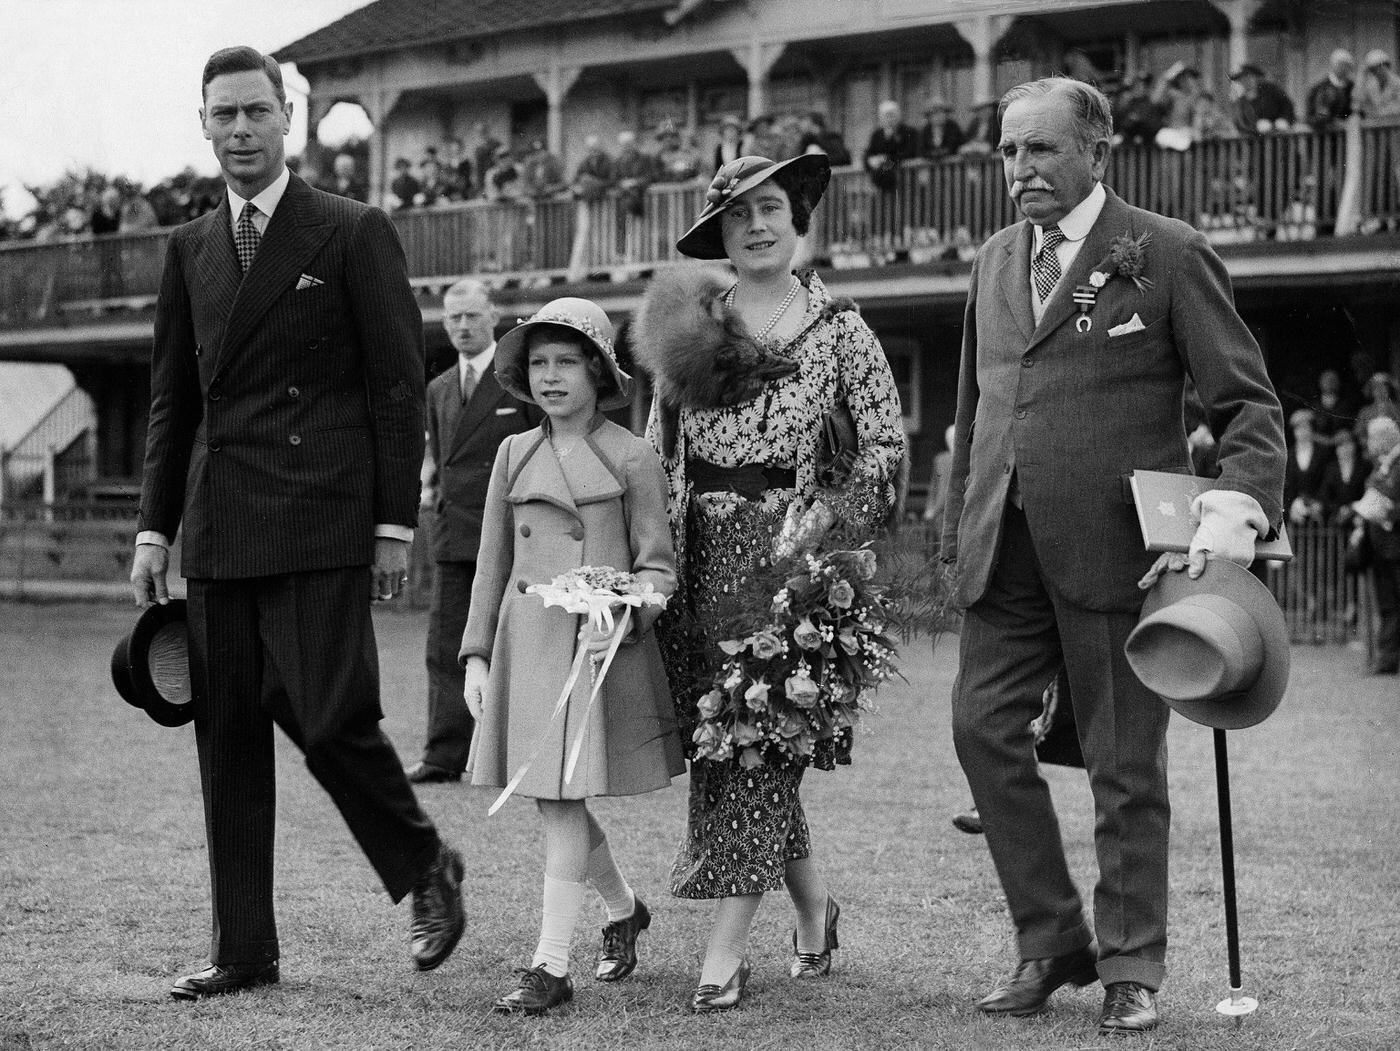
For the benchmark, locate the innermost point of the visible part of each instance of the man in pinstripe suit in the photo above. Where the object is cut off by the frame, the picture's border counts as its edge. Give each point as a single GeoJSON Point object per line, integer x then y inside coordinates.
{"type": "Point", "coordinates": [285, 437]}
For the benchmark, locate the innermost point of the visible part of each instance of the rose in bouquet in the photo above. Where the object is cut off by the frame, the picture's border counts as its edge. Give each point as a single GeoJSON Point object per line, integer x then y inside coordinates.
{"type": "Point", "coordinates": [815, 650]}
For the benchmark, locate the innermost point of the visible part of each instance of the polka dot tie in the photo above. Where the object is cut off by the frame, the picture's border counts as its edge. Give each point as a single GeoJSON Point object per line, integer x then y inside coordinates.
{"type": "Point", "coordinates": [1045, 267]}
{"type": "Point", "coordinates": [246, 237]}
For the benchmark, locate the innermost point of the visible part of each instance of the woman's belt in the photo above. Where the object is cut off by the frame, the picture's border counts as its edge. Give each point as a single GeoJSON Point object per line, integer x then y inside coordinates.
{"type": "Point", "coordinates": [749, 480]}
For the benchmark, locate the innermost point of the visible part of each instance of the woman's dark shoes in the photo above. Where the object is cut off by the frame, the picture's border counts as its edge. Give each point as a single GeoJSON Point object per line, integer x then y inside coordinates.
{"type": "Point", "coordinates": [220, 981]}
{"type": "Point", "coordinates": [619, 956]}
{"type": "Point", "coordinates": [537, 992]}
{"type": "Point", "coordinates": [817, 964]}
{"type": "Point", "coordinates": [438, 916]}
{"type": "Point", "coordinates": [1031, 984]}
{"type": "Point", "coordinates": [1128, 1008]}
{"type": "Point", "coordinates": [968, 821]}
{"type": "Point", "coordinates": [711, 998]}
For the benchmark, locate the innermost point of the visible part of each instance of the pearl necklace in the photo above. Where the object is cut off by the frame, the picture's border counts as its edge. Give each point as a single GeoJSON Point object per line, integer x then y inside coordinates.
{"type": "Point", "coordinates": [777, 314]}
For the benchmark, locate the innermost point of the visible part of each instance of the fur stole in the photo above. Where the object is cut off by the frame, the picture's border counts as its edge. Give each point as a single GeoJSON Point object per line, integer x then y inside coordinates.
{"type": "Point", "coordinates": [696, 349]}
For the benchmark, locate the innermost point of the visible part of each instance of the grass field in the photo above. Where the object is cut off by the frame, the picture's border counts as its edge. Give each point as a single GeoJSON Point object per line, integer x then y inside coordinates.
{"type": "Point", "coordinates": [103, 884]}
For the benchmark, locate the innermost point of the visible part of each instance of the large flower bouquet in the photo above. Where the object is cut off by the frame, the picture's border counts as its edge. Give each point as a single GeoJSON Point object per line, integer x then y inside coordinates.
{"type": "Point", "coordinates": [802, 671]}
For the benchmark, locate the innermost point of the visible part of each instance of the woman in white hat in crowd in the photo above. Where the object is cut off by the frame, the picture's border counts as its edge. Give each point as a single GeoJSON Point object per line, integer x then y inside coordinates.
{"type": "Point", "coordinates": [741, 436]}
{"type": "Point", "coordinates": [576, 491]}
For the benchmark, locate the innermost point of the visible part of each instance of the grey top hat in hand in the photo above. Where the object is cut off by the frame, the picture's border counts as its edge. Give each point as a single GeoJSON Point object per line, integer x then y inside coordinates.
{"type": "Point", "coordinates": [1215, 649]}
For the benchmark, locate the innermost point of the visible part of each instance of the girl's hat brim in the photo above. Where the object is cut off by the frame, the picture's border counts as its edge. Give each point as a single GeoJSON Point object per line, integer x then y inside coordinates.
{"type": "Point", "coordinates": [581, 316]}
{"type": "Point", "coordinates": [704, 240]}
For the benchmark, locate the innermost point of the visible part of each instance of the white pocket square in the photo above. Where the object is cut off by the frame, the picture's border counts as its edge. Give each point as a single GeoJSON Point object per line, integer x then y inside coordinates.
{"type": "Point", "coordinates": [1133, 324]}
{"type": "Point", "coordinates": [508, 410]}
{"type": "Point", "coordinates": [307, 281]}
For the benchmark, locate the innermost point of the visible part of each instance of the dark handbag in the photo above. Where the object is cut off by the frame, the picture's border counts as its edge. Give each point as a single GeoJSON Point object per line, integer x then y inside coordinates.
{"type": "Point", "coordinates": [838, 447]}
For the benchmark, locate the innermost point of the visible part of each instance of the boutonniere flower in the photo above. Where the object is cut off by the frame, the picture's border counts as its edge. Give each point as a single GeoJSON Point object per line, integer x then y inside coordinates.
{"type": "Point", "coordinates": [1126, 257]}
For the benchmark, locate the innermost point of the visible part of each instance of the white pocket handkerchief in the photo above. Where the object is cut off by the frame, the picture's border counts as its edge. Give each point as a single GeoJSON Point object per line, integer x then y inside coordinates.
{"type": "Point", "coordinates": [307, 281]}
{"type": "Point", "coordinates": [508, 410]}
{"type": "Point", "coordinates": [1133, 324]}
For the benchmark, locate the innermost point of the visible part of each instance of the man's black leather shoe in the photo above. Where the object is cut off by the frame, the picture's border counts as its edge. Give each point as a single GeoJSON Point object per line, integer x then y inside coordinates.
{"type": "Point", "coordinates": [220, 981]}
{"type": "Point", "coordinates": [537, 993]}
{"type": "Point", "coordinates": [969, 821]}
{"type": "Point", "coordinates": [428, 774]}
{"type": "Point", "coordinates": [1031, 984]}
{"type": "Point", "coordinates": [619, 956]}
{"type": "Point", "coordinates": [1128, 1008]}
{"type": "Point", "coordinates": [438, 916]}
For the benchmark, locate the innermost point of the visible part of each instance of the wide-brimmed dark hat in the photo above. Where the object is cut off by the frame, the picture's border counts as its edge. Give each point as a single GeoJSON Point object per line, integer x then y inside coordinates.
{"type": "Point", "coordinates": [151, 665]}
{"type": "Point", "coordinates": [811, 171]}
{"type": "Point", "coordinates": [1215, 649]}
{"type": "Point", "coordinates": [582, 316]}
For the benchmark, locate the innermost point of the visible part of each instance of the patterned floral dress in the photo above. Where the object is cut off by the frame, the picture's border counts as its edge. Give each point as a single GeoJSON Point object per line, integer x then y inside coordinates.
{"type": "Point", "coordinates": [743, 826]}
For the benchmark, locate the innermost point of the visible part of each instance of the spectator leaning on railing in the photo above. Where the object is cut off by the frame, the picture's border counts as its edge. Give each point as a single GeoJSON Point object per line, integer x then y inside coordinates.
{"type": "Point", "coordinates": [1258, 105]}
{"type": "Point", "coordinates": [1329, 100]}
{"type": "Point", "coordinates": [1378, 512]}
{"type": "Point", "coordinates": [593, 177]}
{"type": "Point", "coordinates": [1378, 92]}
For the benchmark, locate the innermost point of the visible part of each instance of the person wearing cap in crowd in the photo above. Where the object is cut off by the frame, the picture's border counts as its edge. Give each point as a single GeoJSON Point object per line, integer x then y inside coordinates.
{"type": "Point", "coordinates": [1258, 105]}
{"type": "Point", "coordinates": [1380, 401]}
{"type": "Point", "coordinates": [739, 437]}
{"type": "Point", "coordinates": [984, 129]}
{"type": "Point", "coordinates": [1378, 94]}
{"type": "Point", "coordinates": [1378, 514]}
{"type": "Point", "coordinates": [1083, 322]}
{"type": "Point", "coordinates": [577, 491]}
{"type": "Point", "coordinates": [1330, 99]}
{"type": "Point", "coordinates": [469, 415]}
{"type": "Point", "coordinates": [674, 161]}
{"type": "Point", "coordinates": [940, 136]}
{"type": "Point", "coordinates": [594, 175]}
{"type": "Point", "coordinates": [818, 138]}
{"type": "Point", "coordinates": [404, 187]}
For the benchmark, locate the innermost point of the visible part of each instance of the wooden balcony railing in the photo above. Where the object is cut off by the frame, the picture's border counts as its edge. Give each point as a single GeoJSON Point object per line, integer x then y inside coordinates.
{"type": "Point", "coordinates": [1286, 186]}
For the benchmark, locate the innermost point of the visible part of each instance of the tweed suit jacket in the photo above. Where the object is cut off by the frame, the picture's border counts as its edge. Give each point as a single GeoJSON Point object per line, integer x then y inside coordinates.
{"type": "Point", "coordinates": [462, 444]}
{"type": "Point", "coordinates": [286, 422]}
{"type": "Point", "coordinates": [1073, 413]}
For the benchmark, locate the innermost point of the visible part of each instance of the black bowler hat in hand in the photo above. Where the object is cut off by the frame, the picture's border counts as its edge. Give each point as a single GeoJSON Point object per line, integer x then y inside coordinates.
{"type": "Point", "coordinates": [151, 665]}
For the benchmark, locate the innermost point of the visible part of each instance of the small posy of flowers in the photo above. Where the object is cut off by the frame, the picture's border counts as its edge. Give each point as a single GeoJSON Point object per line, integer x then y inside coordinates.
{"type": "Point", "coordinates": [819, 647]}
{"type": "Point", "coordinates": [1127, 256]}
{"type": "Point", "coordinates": [595, 591]}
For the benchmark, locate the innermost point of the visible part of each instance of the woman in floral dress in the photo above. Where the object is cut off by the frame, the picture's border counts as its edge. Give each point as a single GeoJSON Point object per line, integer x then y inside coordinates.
{"type": "Point", "coordinates": [746, 375]}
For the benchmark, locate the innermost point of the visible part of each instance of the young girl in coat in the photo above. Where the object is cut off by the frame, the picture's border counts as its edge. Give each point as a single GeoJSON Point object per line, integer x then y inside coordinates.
{"type": "Point", "coordinates": [576, 491]}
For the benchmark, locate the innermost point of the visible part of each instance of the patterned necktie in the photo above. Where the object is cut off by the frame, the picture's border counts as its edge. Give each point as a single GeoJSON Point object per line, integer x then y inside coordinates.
{"type": "Point", "coordinates": [468, 383]}
{"type": "Point", "coordinates": [1045, 267]}
{"type": "Point", "coordinates": [246, 237]}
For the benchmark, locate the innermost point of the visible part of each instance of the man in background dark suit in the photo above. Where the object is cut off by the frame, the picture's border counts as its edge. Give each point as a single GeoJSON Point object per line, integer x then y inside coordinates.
{"type": "Point", "coordinates": [1056, 407]}
{"type": "Point", "coordinates": [469, 415]}
{"type": "Point", "coordinates": [285, 439]}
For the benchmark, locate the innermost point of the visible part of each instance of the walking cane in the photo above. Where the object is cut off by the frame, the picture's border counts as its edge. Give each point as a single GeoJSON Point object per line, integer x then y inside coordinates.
{"type": "Point", "coordinates": [1236, 1005]}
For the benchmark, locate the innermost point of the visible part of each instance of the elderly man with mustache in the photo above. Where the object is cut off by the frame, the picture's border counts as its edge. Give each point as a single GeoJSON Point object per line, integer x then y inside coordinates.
{"type": "Point", "coordinates": [1082, 324]}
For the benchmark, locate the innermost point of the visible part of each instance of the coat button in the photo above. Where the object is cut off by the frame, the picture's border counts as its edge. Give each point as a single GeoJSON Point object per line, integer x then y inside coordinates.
{"type": "Point", "coordinates": [295, 439]}
{"type": "Point", "coordinates": [520, 585]}
{"type": "Point", "coordinates": [293, 392]}
{"type": "Point", "coordinates": [312, 344]}
{"type": "Point", "coordinates": [1020, 414]}
{"type": "Point", "coordinates": [1027, 362]}
{"type": "Point", "coordinates": [215, 446]}
{"type": "Point", "coordinates": [524, 530]}
{"type": "Point", "coordinates": [214, 394]}
{"type": "Point", "coordinates": [576, 532]}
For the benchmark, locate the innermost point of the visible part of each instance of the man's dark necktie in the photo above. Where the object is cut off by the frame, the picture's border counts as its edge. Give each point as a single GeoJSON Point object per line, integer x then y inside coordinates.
{"type": "Point", "coordinates": [246, 237]}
